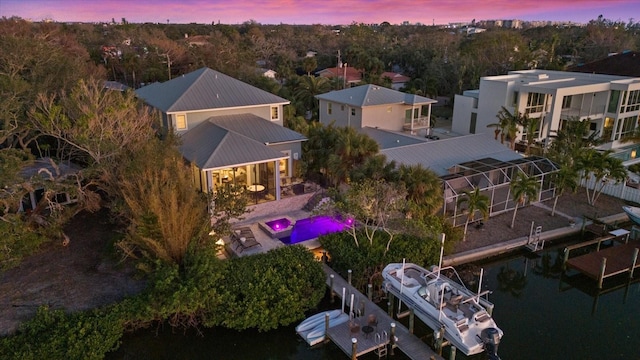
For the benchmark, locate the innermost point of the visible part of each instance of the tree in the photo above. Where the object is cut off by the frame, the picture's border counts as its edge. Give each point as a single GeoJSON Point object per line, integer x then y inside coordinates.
{"type": "Point", "coordinates": [510, 124]}
{"type": "Point", "coordinates": [531, 127]}
{"type": "Point", "coordinates": [309, 64]}
{"type": "Point", "coordinates": [522, 187]}
{"type": "Point", "coordinates": [475, 201]}
{"type": "Point", "coordinates": [374, 205]}
{"type": "Point", "coordinates": [95, 127]}
{"type": "Point", "coordinates": [565, 179]}
{"type": "Point", "coordinates": [308, 88]}
{"type": "Point", "coordinates": [167, 215]}
{"type": "Point", "coordinates": [424, 188]}
{"type": "Point", "coordinates": [604, 169]}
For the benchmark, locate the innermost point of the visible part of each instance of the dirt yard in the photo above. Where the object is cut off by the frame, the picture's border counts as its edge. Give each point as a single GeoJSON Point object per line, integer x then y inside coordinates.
{"type": "Point", "coordinates": [80, 276]}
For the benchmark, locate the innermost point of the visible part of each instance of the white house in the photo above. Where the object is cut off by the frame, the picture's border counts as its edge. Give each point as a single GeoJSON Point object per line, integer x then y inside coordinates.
{"type": "Point", "coordinates": [377, 107]}
{"type": "Point", "coordinates": [610, 103]}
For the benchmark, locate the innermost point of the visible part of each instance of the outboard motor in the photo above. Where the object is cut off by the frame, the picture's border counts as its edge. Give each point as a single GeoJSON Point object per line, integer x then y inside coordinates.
{"type": "Point", "coordinates": [491, 338]}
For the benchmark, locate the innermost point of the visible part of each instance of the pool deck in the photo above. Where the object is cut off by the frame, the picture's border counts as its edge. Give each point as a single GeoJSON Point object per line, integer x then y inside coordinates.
{"type": "Point", "coordinates": [290, 207]}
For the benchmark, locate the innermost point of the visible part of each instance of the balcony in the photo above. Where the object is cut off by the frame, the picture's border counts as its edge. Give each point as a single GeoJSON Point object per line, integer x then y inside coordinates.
{"type": "Point", "coordinates": [417, 124]}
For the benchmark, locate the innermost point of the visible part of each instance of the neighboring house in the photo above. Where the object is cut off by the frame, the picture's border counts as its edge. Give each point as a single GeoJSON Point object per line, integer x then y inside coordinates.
{"type": "Point", "coordinates": [232, 133]}
{"type": "Point", "coordinates": [398, 81]}
{"type": "Point", "coordinates": [377, 107]}
{"type": "Point", "coordinates": [271, 74]}
{"type": "Point", "coordinates": [349, 75]}
{"type": "Point", "coordinates": [610, 103]}
{"type": "Point", "coordinates": [626, 63]}
{"type": "Point", "coordinates": [46, 170]}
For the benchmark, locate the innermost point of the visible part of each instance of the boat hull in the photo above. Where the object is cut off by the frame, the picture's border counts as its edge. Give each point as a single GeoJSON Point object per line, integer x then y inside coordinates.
{"type": "Point", "coordinates": [313, 321]}
{"type": "Point", "coordinates": [441, 303]}
{"type": "Point", "coordinates": [633, 213]}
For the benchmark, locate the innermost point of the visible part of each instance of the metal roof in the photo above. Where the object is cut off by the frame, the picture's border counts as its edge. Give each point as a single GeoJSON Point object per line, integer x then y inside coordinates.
{"type": "Point", "coordinates": [387, 139]}
{"type": "Point", "coordinates": [257, 128]}
{"type": "Point", "coordinates": [233, 140]}
{"type": "Point", "coordinates": [441, 155]}
{"type": "Point", "coordinates": [205, 89]}
{"type": "Point", "coordinates": [372, 95]}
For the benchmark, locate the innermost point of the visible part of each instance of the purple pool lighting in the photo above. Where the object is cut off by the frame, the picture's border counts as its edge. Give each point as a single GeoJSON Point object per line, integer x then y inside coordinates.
{"type": "Point", "coordinates": [314, 227]}
{"type": "Point", "coordinates": [278, 224]}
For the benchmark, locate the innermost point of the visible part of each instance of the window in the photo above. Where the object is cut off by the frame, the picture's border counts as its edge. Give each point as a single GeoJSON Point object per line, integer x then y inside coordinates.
{"type": "Point", "coordinates": [632, 101]}
{"type": "Point", "coordinates": [181, 121]}
{"type": "Point", "coordinates": [626, 127]}
{"type": "Point", "coordinates": [341, 107]}
{"type": "Point", "coordinates": [353, 111]}
{"type": "Point", "coordinates": [613, 101]}
{"type": "Point", "coordinates": [274, 113]}
{"type": "Point", "coordinates": [566, 102]}
{"type": "Point", "coordinates": [329, 110]}
{"type": "Point", "coordinates": [416, 113]}
{"type": "Point", "coordinates": [535, 103]}
{"type": "Point", "coordinates": [389, 108]}
{"type": "Point", "coordinates": [472, 123]}
{"type": "Point", "coordinates": [514, 101]}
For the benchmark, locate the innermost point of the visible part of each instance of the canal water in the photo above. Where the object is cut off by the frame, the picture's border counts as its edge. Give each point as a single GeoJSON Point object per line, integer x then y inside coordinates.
{"type": "Point", "coordinates": [544, 316]}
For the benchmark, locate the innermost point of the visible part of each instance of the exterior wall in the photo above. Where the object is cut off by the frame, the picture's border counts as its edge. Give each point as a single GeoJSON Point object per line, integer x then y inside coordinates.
{"type": "Point", "coordinates": [463, 107]}
{"type": "Point", "coordinates": [196, 117]}
{"type": "Point", "coordinates": [387, 117]}
{"type": "Point", "coordinates": [590, 94]}
{"type": "Point", "coordinates": [340, 114]}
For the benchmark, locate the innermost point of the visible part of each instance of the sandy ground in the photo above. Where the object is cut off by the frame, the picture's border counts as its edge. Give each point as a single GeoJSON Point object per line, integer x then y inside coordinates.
{"type": "Point", "coordinates": [80, 276]}
{"type": "Point", "coordinates": [572, 205]}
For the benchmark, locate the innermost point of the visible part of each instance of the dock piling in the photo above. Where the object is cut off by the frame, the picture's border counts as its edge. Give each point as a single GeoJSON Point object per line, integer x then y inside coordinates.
{"type": "Point", "coordinates": [452, 354]}
{"type": "Point", "coordinates": [370, 291]}
{"type": "Point", "coordinates": [603, 266]}
{"type": "Point", "coordinates": [392, 338]}
{"type": "Point", "coordinates": [349, 276]}
{"type": "Point", "coordinates": [331, 287]}
{"type": "Point", "coordinates": [634, 260]}
{"type": "Point", "coordinates": [354, 348]}
{"type": "Point", "coordinates": [411, 320]}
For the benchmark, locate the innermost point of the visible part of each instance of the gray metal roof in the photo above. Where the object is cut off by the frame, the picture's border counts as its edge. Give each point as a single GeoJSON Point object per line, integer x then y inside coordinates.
{"type": "Point", "coordinates": [441, 155]}
{"type": "Point", "coordinates": [389, 139]}
{"type": "Point", "coordinates": [372, 95]}
{"type": "Point", "coordinates": [257, 128]}
{"type": "Point", "coordinates": [233, 140]}
{"type": "Point", "coordinates": [205, 89]}
{"type": "Point", "coordinates": [211, 146]}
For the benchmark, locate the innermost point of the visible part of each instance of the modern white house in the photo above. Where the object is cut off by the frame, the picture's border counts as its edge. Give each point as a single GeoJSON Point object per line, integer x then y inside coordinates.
{"type": "Point", "coordinates": [376, 107]}
{"type": "Point", "coordinates": [611, 104]}
{"type": "Point", "coordinates": [231, 132]}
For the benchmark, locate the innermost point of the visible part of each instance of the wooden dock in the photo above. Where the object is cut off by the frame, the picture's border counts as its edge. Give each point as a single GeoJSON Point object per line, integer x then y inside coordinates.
{"type": "Point", "coordinates": [605, 263]}
{"type": "Point", "coordinates": [342, 334]}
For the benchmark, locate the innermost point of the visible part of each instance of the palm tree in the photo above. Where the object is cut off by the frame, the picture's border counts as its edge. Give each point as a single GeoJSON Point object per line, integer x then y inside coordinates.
{"type": "Point", "coordinates": [523, 187]}
{"type": "Point", "coordinates": [565, 179]}
{"type": "Point", "coordinates": [423, 186]}
{"type": "Point", "coordinates": [308, 88]}
{"type": "Point", "coordinates": [510, 124]}
{"type": "Point", "coordinates": [531, 127]}
{"type": "Point", "coordinates": [475, 201]}
{"type": "Point", "coordinates": [605, 168]}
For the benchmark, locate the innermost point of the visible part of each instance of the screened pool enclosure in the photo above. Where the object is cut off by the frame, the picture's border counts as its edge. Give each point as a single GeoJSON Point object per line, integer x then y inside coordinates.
{"type": "Point", "coordinates": [493, 178]}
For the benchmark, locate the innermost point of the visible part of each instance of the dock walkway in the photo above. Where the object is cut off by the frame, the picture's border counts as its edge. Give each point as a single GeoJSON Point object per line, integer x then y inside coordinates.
{"type": "Point", "coordinates": [612, 261]}
{"type": "Point", "coordinates": [341, 334]}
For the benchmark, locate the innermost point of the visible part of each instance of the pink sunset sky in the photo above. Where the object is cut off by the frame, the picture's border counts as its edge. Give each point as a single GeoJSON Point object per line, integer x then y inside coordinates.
{"type": "Point", "coordinates": [332, 12]}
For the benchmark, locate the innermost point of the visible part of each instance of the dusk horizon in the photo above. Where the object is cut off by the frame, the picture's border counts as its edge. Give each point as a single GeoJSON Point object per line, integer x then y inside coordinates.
{"type": "Point", "coordinates": [328, 12]}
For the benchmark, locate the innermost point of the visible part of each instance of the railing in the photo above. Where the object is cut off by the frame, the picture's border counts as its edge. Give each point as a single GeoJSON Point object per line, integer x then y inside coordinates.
{"type": "Point", "coordinates": [417, 123]}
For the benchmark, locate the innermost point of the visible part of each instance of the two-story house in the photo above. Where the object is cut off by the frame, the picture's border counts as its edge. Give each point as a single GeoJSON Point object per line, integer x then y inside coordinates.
{"type": "Point", "coordinates": [611, 103]}
{"type": "Point", "coordinates": [231, 132]}
{"type": "Point", "coordinates": [376, 107]}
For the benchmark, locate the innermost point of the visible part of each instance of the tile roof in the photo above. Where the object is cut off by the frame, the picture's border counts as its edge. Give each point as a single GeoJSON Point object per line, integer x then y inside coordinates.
{"type": "Point", "coordinates": [395, 77]}
{"type": "Point", "coordinates": [441, 155]}
{"type": "Point", "coordinates": [234, 140]}
{"type": "Point", "coordinates": [205, 89]}
{"type": "Point", "coordinates": [352, 74]}
{"type": "Point", "coordinates": [372, 95]}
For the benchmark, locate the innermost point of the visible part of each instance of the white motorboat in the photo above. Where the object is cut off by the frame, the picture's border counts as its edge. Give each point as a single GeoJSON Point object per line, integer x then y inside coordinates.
{"type": "Point", "coordinates": [312, 329]}
{"type": "Point", "coordinates": [633, 213]}
{"type": "Point", "coordinates": [441, 302]}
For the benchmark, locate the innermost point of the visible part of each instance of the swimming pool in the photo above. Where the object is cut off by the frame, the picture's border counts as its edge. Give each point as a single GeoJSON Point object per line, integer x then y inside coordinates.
{"type": "Point", "coordinates": [315, 226]}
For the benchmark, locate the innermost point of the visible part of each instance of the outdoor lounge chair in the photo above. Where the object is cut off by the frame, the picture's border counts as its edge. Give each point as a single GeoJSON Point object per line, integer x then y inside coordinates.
{"type": "Point", "coordinates": [244, 239]}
